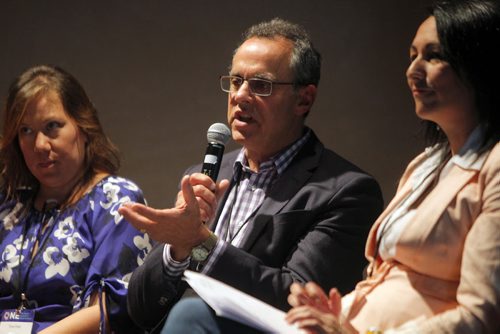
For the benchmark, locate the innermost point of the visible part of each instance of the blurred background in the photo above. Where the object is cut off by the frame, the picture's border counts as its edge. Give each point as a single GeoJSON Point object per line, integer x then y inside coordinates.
{"type": "Point", "coordinates": [152, 67]}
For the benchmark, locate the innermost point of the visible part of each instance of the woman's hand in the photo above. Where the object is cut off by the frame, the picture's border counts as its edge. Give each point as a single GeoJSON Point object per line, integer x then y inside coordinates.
{"type": "Point", "coordinates": [313, 310]}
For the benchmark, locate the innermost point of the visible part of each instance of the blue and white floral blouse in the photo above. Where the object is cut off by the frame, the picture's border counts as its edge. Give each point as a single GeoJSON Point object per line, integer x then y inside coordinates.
{"type": "Point", "coordinates": [86, 248]}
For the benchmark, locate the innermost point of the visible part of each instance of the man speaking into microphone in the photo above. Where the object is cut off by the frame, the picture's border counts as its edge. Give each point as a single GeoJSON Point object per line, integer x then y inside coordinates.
{"type": "Point", "coordinates": [286, 210]}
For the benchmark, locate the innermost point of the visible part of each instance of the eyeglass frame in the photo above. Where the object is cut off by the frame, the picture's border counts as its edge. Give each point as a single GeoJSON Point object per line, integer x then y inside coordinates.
{"type": "Point", "coordinates": [249, 84]}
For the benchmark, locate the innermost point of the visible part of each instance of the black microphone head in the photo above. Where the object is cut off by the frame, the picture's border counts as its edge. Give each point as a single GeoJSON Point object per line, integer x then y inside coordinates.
{"type": "Point", "coordinates": [218, 133]}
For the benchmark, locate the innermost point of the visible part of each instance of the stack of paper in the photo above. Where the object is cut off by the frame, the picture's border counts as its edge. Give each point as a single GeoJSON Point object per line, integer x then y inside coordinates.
{"type": "Point", "coordinates": [231, 303]}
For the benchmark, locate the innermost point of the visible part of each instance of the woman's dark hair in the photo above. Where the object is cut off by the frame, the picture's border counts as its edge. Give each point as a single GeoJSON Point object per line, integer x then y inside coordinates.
{"type": "Point", "coordinates": [469, 33]}
{"type": "Point", "coordinates": [100, 153]}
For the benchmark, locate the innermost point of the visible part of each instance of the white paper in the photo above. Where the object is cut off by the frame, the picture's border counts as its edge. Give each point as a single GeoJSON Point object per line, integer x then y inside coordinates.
{"type": "Point", "coordinates": [231, 303]}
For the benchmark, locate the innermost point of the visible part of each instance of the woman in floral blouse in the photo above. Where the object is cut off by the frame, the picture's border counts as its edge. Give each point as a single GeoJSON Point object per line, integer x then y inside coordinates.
{"type": "Point", "coordinates": [66, 254]}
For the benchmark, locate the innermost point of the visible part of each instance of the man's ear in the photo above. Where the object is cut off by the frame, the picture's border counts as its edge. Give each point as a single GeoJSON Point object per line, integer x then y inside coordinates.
{"type": "Point", "coordinates": [305, 99]}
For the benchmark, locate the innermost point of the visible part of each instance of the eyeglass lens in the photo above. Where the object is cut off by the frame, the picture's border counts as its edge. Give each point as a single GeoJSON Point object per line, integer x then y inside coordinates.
{"type": "Point", "coordinates": [257, 86]}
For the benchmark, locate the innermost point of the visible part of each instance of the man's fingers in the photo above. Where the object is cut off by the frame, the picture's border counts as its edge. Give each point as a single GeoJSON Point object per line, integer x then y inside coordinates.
{"type": "Point", "coordinates": [205, 194]}
{"type": "Point", "coordinates": [143, 214]}
{"type": "Point", "coordinates": [202, 179]}
{"type": "Point", "coordinates": [179, 201]}
{"type": "Point", "coordinates": [188, 193]}
{"type": "Point", "coordinates": [132, 213]}
{"type": "Point", "coordinates": [221, 188]}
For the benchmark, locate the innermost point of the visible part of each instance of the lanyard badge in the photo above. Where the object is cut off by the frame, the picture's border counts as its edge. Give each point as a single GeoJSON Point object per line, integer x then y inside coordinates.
{"type": "Point", "coordinates": [17, 321]}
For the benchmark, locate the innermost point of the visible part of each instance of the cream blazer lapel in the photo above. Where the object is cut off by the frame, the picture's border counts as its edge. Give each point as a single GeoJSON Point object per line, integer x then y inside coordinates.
{"type": "Point", "coordinates": [437, 201]}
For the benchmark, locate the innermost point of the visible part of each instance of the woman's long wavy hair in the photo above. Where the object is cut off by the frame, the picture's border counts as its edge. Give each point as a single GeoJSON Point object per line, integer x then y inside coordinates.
{"type": "Point", "coordinates": [100, 153]}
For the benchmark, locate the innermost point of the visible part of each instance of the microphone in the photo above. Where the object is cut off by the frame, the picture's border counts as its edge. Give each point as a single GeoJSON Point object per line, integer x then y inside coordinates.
{"type": "Point", "coordinates": [217, 136]}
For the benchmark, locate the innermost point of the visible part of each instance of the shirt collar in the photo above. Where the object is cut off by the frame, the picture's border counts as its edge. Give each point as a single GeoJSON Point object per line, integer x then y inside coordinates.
{"type": "Point", "coordinates": [470, 155]}
{"type": "Point", "coordinates": [280, 161]}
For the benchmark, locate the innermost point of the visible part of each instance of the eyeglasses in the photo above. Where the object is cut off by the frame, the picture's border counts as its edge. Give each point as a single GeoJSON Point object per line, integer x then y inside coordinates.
{"type": "Point", "coordinates": [260, 87]}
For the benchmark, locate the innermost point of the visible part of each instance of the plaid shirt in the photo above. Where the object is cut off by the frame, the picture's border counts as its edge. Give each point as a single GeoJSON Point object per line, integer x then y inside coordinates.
{"type": "Point", "coordinates": [243, 201]}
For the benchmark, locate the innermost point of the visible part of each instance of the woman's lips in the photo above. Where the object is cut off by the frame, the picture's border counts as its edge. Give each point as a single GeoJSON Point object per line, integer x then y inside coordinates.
{"type": "Point", "coordinates": [45, 164]}
{"type": "Point", "coordinates": [419, 91]}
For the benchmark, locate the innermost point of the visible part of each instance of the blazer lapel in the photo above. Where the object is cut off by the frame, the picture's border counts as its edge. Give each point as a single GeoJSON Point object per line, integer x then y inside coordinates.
{"type": "Point", "coordinates": [288, 184]}
{"type": "Point", "coordinates": [434, 205]}
{"type": "Point", "coordinates": [436, 202]}
{"type": "Point", "coordinates": [226, 172]}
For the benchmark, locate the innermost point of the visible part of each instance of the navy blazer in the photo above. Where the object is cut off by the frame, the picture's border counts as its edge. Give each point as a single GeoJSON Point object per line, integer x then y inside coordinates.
{"type": "Point", "coordinates": [312, 226]}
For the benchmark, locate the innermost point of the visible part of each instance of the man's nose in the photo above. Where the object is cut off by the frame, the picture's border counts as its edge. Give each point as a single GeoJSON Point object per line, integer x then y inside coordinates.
{"type": "Point", "coordinates": [243, 93]}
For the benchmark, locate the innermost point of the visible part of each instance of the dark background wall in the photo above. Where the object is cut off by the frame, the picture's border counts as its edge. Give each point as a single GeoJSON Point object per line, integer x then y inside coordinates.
{"type": "Point", "coordinates": [152, 67]}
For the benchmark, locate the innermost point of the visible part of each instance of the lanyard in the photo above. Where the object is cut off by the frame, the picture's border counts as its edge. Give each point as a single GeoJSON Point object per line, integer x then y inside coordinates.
{"type": "Point", "coordinates": [46, 222]}
{"type": "Point", "coordinates": [236, 182]}
{"type": "Point", "coordinates": [232, 232]}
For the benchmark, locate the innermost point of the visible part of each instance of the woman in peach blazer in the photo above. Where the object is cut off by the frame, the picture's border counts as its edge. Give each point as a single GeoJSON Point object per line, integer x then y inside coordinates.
{"type": "Point", "coordinates": [435, 251]}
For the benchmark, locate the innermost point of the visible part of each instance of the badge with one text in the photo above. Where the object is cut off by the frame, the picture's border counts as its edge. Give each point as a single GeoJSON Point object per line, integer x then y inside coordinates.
{"type": "Point", "coordinates": [17, 321]}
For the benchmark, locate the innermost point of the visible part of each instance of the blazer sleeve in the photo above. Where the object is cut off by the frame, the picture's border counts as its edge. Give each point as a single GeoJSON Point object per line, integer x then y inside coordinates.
{"type": "Point", "coordinates": [324, 244]}
{"type": "Point", "coordinates": [150, 293]}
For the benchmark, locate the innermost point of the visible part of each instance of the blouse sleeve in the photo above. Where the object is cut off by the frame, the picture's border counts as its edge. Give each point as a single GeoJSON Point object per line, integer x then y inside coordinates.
{"type": "Point", "coordinates": [119, 248]}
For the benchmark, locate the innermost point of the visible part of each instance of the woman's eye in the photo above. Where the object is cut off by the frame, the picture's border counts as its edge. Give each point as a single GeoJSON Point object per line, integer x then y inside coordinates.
{"type": "Point", "coordinates": [435, 56]}
{"type": "Point", "coordinates": [53, 125]}
{"type": "Point", "coordinates": [24, 130]}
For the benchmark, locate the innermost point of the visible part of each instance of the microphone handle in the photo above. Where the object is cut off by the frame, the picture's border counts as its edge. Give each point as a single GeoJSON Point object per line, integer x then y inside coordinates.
{"type": "Point", "coordinates": [212, 160]}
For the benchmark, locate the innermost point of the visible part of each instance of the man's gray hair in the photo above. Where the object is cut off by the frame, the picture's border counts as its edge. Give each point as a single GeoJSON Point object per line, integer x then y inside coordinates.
{"type": "Point", "coordinates": [305, 61]}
